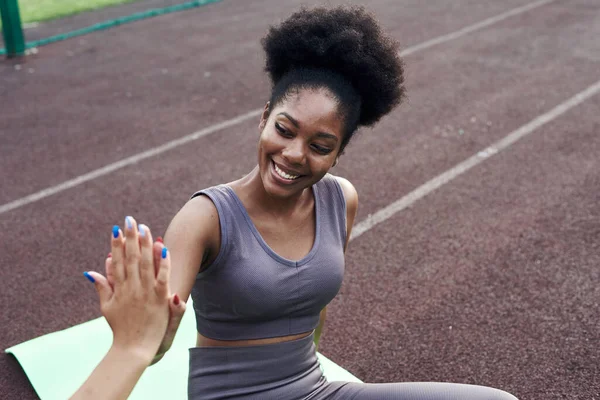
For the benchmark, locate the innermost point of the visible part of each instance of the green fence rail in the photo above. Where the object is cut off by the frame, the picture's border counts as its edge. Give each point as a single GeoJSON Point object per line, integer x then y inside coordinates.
{"type": "Point", "coordinates": [12, 29]}
{"type": "Point", "coordinates": [12, 48]}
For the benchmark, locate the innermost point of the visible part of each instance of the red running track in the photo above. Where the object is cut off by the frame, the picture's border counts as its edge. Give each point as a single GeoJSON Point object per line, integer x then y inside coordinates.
{"type": "Point", "coordinates": [492, 279]}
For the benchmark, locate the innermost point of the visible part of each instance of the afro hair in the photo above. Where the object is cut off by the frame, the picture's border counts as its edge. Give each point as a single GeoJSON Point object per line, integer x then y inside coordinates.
{"type": "Point", "coordinates": [344, 41]}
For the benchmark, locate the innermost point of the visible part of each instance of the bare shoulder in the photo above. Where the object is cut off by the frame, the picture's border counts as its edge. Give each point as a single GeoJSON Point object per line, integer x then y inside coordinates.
{"type": "Point", "coordinates": [200, 208]}
{"type": "Point", "coordinates": [350, 194]}
{"type": "Point", "coordinates": [195, 231]}
{"type": "Point", "coordinates": [198, 218]}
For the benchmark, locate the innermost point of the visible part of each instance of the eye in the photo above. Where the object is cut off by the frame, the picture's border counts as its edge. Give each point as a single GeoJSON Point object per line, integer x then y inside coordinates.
{"type": "Point", "coordinates": [321, 150]}
{"type": "Point", "coordinates": [282, 131]}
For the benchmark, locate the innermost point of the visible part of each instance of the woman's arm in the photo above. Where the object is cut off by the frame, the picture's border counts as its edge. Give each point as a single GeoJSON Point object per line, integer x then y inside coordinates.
{"type": "Point", "coordinates": [193, 238]}
{"type": "Point", "coordinates": [320, 327]}
{"type": "Point", "coordinates": [351, 197]}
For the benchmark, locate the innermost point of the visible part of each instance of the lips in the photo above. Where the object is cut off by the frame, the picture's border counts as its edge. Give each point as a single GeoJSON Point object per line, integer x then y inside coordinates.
{"type": "Point", "coordinates": [284, 175]}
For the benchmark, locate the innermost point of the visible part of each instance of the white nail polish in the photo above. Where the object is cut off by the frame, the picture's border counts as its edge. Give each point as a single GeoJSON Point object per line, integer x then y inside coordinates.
{"type": "Point", "coordinates": [129, 222]}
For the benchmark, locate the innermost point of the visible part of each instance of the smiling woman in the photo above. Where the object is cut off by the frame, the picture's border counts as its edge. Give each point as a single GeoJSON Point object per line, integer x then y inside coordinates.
{"type": "Point", "coordinates": [262, 256]}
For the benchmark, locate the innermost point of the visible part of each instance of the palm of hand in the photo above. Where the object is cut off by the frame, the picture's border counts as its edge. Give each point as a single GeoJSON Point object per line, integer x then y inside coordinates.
{"type": "Point", "coordinates": [135, 298]}
{"type": "Point", "coordinates": [142, 299]}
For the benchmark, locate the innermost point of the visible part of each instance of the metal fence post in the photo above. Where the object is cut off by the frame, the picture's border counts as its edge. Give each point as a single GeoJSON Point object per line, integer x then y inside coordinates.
{"type": "Point", "coordinates": [11, 28]}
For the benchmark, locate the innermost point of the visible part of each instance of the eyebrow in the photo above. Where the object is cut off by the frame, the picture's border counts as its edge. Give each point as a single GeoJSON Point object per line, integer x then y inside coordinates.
{"type": "Point", "coordinates": [297, 125]}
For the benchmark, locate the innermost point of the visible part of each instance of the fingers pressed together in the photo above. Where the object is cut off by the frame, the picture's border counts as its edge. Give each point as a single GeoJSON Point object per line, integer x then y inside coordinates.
{"type": "Point", "coordinates": [136, 287]}
{"type": "Point", "coordinates": [135, 260]}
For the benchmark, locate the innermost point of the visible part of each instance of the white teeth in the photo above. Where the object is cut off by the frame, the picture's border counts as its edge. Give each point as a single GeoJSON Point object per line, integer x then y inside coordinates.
{"type": "Point", "coordinates": [283, 174]}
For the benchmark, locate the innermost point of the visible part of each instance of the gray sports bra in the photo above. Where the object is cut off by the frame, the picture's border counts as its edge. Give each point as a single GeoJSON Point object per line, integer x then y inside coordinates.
{"type": "Point", "coordinates": [249, 291]}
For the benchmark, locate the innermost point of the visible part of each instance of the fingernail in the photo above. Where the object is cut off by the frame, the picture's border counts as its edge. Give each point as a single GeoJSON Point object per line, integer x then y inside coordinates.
{"type": "Point", "coordinates": [176, 299]}
{"type": "Point", "coordinates": [109, 255]}
{"type": "Point", "coordinates": [142, 229]}
{"type": "Point", "coordinates": [116, 231]}
{"type": "Point", "coordinates": [164, 252]}
{"type": "Point", "coordinates": [159, 239]}
{"type": "Point", "coordinates": [128, 222]}
{"type": "Point", "coordinates": [91, 278]}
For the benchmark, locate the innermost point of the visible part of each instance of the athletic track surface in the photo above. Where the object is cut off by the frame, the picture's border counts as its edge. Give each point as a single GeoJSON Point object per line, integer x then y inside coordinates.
{"type": "Point", "coordinates": [477, 251]}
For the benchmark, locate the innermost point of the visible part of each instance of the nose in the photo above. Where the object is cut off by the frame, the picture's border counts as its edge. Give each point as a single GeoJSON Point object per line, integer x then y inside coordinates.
{"type": "Point", "coordinates": [295, 153]}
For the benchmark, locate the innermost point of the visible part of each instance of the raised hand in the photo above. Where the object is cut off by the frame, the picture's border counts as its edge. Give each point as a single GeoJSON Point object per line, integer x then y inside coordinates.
{"type": "Point", "coordinates": [176, 309]}
{"type": "Point", "coordinates": [135, 299]}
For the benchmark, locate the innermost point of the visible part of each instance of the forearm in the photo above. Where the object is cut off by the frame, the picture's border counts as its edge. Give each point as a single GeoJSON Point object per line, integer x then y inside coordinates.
{"type": "Point", "coordinates": [115, 376]}
{"type": "Point", "coordinates": [319, 329]}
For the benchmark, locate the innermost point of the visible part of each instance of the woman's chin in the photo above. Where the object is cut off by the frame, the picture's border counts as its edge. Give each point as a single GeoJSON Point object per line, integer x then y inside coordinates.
{"type": "Point", "coordinates": [275, 190]}
{"type": "Point", "coordinates": [279, 189]}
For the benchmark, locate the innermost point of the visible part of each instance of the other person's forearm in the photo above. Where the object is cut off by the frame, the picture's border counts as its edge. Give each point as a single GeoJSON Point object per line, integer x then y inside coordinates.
{"type": "Point", "coordinates": [115, 376]}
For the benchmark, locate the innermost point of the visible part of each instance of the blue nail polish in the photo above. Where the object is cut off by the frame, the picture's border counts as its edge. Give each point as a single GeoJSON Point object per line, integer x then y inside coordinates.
{"type": "Point", "coordinates": [142, 230]}
{"type": "Point", "coordinates": [91, 278]}
{"type": "Point", "coordinates": [128, 222]}
{"type": "Point", "coordinates": [116, 231]}
{"type": "Point", "coordinates": [164, 252]}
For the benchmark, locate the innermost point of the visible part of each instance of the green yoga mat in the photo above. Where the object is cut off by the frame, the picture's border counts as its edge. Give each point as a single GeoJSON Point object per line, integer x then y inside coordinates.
{"type": "Point", "coordinates": [58, 363]}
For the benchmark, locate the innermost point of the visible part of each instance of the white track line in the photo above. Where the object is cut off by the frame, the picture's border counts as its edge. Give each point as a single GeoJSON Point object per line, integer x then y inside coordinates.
{"type": "Point", "coordinates": [440, 180]}
{"type": "Point", "coordinates": [239, 119]}
{"type": "Point", "coordinates": [475, 27]}
{"type": "Point", "coordinates": [125, 162]}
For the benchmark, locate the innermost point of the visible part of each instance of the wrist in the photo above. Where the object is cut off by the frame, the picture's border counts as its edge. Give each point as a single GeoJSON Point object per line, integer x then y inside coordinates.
{"type": "Point", "coordinates": [135, 356]}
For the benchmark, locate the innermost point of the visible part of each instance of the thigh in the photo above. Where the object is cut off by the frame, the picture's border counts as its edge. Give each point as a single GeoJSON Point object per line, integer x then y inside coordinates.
{"type": "Point", "coordinates": [417, 391]}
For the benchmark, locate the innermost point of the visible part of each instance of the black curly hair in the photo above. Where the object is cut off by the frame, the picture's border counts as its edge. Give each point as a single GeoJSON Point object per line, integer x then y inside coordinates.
{"type": "Point", "coordinates": [342, 49]}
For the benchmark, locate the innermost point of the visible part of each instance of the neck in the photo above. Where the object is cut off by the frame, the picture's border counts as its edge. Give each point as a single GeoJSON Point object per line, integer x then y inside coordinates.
{"type": "Point", "coordinates": [254, 190]}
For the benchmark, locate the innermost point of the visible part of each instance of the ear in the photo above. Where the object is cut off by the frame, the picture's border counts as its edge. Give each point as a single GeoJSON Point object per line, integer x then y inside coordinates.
{"type": "Point", "coordinates": [337, 159]}
{"type": "Point", "coordinates": [264, 117]}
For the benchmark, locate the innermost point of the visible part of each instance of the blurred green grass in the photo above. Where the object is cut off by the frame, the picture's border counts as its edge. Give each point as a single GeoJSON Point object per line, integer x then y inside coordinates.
{"type": "Point", "coordinates": [44, 10]}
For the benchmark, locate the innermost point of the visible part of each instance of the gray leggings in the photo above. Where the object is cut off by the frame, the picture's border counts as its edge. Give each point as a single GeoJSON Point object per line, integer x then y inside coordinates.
{"type": "Point", "coordinates": [291, 371]}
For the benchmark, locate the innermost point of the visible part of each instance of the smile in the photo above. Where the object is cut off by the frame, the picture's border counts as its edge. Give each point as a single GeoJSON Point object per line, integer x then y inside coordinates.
{"type": "Point", "coordinates": [284, 175]}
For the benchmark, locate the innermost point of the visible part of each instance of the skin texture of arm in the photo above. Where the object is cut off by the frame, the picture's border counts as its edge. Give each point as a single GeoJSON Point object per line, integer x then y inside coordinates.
{"type": "Point", "coordinates": [319, 328]}
{"type": "Point", "coordinates": [351, 197]}
{"type": "Point", "coordinates": [193, 239]}
{"type": "Point", "coordinates": [115, 376]}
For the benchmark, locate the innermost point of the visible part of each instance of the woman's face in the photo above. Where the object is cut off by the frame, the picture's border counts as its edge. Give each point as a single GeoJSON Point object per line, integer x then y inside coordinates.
{"type": "Point", "coordinates": [299, 142]}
